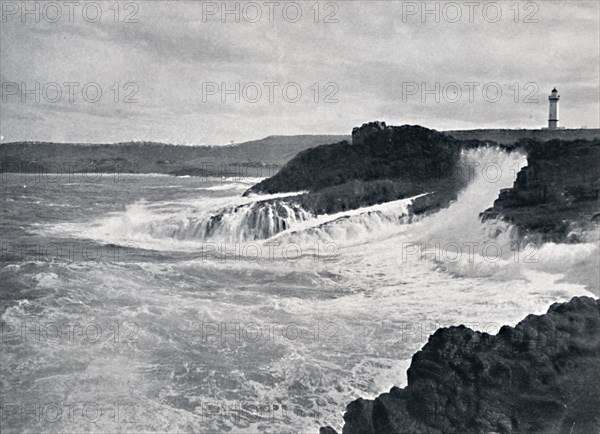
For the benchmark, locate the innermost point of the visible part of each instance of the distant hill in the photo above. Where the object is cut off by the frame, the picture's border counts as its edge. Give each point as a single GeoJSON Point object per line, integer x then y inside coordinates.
{"type": "Point", "coordinates": [255, 158]}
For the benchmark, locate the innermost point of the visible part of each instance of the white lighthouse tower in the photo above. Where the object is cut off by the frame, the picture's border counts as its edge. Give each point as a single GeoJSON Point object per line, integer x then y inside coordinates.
{"type": "Point", "coordinates": [553, 118]}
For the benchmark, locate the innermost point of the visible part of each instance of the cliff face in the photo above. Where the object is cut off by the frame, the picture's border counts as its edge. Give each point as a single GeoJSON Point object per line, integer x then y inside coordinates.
{"type": "Point", "coordinates": [555, 198]}
{"type": "Point", "coordinates": [540, 376]}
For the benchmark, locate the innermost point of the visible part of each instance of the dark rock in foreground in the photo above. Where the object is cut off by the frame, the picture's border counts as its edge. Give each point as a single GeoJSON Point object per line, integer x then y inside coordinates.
{"type": "Point", "coordinates": [542, 376]}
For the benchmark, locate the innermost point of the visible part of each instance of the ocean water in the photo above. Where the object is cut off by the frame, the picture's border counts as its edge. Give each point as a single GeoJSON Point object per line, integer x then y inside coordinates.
{"type": "Point", "coordinates": [152, 303]}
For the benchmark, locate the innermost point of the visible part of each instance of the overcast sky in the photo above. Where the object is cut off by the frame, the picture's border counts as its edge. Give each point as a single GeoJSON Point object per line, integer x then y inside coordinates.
{"type": "Point", "coordinates": [371, 60]}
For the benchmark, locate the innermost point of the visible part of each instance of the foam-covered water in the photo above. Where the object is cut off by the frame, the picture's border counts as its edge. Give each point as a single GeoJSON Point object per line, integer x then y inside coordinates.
{"type": "Point", "coordinates": [203, 311]}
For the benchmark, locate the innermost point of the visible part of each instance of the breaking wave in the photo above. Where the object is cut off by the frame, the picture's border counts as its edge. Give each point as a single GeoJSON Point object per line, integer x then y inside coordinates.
{"type": "Point", "coordinates": [453, 239]}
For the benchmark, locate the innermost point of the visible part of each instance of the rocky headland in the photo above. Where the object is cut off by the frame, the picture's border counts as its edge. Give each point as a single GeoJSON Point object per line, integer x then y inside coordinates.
{"type": "Point", "coordinates": [381, 163]}
{"type": "Point", "coordinates": [542, 376]}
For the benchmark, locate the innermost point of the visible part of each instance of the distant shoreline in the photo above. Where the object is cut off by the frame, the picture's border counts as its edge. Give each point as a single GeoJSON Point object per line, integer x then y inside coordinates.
{"type": "Point", "coordinates": [577, 133]}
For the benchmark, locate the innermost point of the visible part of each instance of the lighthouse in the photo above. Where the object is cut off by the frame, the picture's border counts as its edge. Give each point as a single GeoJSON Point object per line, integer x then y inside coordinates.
{"type": "Point", "coordinates": [553, 117]}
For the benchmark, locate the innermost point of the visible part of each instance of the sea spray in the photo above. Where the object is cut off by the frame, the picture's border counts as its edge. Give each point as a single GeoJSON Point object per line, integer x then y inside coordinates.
{"type": "Point", "coordinates": [372, 311]}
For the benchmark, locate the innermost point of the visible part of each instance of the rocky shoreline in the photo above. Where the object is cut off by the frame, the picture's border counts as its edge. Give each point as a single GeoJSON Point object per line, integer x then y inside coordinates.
{"type": "Point", "coordinates": [555, 198]}
{"type": "Point", "coordinates": [540, 376]}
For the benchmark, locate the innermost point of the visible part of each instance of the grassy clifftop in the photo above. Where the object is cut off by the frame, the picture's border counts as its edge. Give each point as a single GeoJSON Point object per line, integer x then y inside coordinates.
{"type": "Point", "coordinates": [507, 137]}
